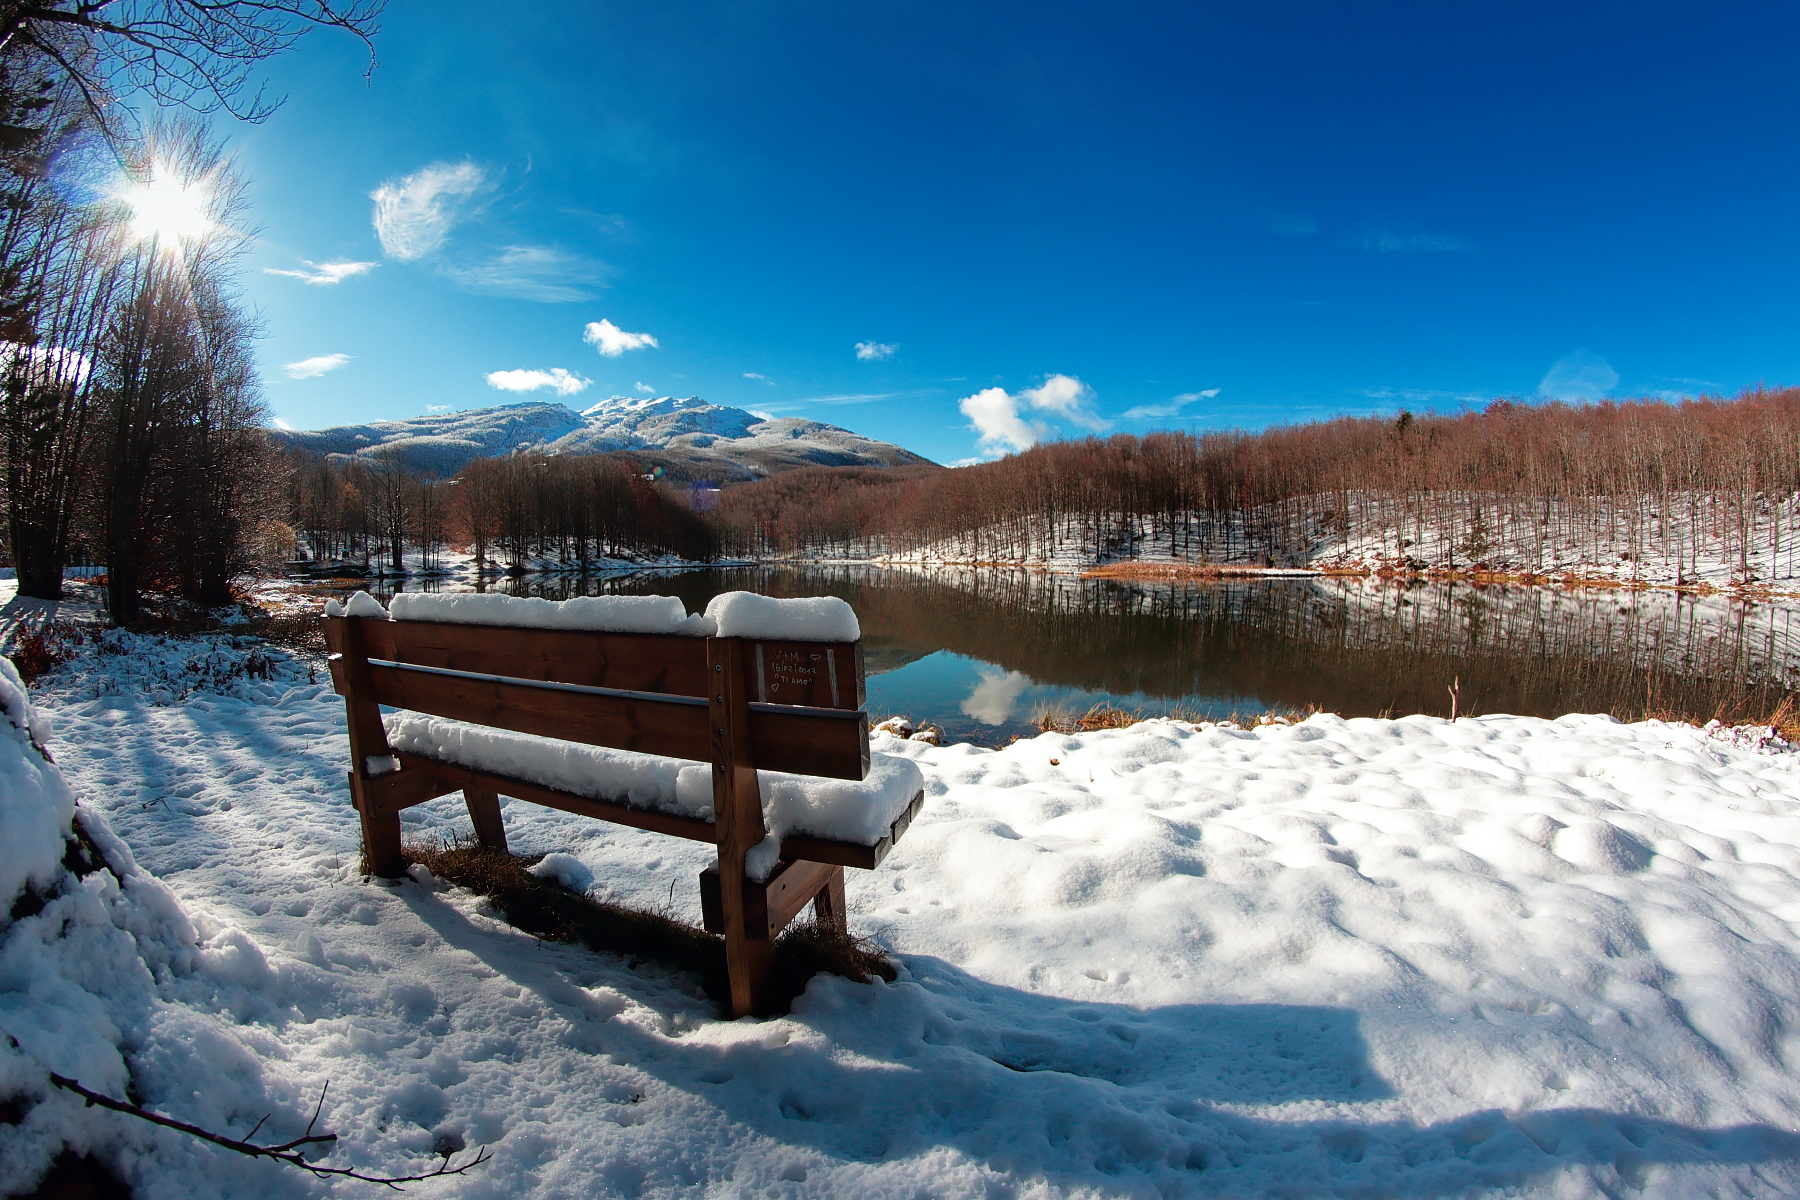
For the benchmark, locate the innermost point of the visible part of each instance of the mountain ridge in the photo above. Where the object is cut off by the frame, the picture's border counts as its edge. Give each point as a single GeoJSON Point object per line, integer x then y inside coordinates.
{"type": "Point", "coordinates": [690, 435]}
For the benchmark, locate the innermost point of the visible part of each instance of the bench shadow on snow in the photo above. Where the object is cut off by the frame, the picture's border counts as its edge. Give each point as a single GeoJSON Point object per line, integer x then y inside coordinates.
{"type": "Point", "coordinates": [1095, 1095]}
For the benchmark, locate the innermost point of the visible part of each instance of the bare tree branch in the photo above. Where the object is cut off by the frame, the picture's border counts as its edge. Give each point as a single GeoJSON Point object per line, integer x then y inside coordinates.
{"type": "Point", "coordinates": [287, 1152]}
{"type": "Point", "coordinates": [195, 53]}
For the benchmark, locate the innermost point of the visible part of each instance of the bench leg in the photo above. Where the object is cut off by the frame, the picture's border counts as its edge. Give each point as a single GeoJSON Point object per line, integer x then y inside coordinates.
{"type": "Point", "coordinates": [381, 835]}
{"type": "Point", "coordinates": [828, 905]}
{"type": "Point", "coordinates": [484, 812]}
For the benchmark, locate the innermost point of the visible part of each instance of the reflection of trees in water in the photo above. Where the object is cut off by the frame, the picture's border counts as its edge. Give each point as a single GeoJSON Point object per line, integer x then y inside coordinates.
{"type": "Point", "coordinates": [1354, 646]}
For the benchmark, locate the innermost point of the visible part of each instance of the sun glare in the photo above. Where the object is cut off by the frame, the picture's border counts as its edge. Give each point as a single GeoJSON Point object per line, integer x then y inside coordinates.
{"type": "Point", "coordinates": [169, 210]}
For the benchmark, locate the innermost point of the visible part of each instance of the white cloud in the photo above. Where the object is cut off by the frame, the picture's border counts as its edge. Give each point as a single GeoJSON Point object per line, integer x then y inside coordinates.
{"type": "Point", "coordinates": [1068, 398]}
{"type": "Point", "coordinates": [278, 423]}
{"type": "Point", "coordinates": [1416, 243]}
{"type": "Point", "coordinates": [645, 388]}
{"type": "Point", "coordinates": [1582, 375]}
{"type": "Point", "coordinates": [307, 368]}
{"type": "Point", "coordinates": [759, 413]}
{"type": "Point", "coordinates": [1170, 408]}
{"type": "Point", "coordinates": [612, 341]}
{"type": "Point", "coordinates": [764, 378]}
{"type": "Point", "coordinates": [437, 408]}
{"type": "Point", "coordinates": [562, 382]}
{"type": "Point", "coordinates": [539, 273]}
{"type": "Point", "coordinates": [875, 351]}
{"type": "Point", "coordinates": [324, 274]}
{"type": "Point", "coordinates": [995, 414]}
{"type": "Point", "coordinates": [413, 217]}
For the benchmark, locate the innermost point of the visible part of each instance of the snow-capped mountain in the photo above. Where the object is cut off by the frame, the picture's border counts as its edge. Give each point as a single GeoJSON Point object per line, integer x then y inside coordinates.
{"type": "Point", "coordinates": [687, 434]}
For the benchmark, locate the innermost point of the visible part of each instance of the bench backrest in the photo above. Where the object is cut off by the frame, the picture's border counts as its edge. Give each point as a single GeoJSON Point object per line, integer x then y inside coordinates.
{"type": "Point", "coordinates": [644, 692]}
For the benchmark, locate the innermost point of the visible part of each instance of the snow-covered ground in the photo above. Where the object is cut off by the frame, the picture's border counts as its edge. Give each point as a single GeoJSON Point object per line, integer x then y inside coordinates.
{"type": "Point", "coordinates": [1503, 956]}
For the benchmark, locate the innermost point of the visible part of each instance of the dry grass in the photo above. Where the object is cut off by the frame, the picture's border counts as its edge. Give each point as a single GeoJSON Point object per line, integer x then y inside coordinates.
{"type": "Point", "coordinates": [1108, 716]}
{"type": "Point", "coordinates": [546, 909]}
{"type": "Point", "coordinates": [1782, 720]}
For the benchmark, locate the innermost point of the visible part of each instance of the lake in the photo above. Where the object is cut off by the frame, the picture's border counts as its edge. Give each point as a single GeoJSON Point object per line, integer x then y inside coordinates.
{"type": "Point", "coordinates": [982, 653]}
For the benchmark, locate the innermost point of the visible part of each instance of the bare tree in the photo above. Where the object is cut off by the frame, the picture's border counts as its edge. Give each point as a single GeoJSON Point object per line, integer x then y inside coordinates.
{"type": "Point", "coordinates": [197, 53]}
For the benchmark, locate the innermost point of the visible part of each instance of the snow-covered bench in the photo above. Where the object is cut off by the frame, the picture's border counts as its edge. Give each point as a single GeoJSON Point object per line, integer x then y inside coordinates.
{"type": "Point", "coordinates": [628, 709]}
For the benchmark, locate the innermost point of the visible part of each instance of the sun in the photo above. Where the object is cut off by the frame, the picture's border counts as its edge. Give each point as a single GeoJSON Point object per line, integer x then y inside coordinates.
{"type": "Point", "coordinates": [169, 210]}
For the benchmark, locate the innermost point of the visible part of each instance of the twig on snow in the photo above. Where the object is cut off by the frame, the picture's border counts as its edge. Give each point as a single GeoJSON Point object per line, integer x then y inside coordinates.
{"type": "Point", "coordinates": [286, 1152]}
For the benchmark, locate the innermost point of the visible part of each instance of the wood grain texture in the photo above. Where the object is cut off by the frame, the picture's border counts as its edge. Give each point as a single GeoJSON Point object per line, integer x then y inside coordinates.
{"type": "Point", "coordinates": [737, 813]}
{"type": "Point", "coordinates": [809, 741]}
{"type": "Point", "coordinates": [815, 674]}
{"type": "Point", "coordinates": [674, 824]}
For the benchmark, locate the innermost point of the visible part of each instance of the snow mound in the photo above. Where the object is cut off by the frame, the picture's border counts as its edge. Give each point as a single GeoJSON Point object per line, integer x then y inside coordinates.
{"type": "Point", "coordinates": [36, 806]}
{"type": "Point", "coordinates": [104, 979]}
{"type": "Point", "coordinates": [362, 604]}
{"type": "Point", "coordinates": [610, 614]}
{"type": "Point", "coordinates": [804, 619]}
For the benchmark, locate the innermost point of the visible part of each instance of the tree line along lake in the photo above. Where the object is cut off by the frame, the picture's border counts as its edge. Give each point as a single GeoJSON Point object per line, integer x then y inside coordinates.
{"type": "Point", "coordinates": [982, 653]}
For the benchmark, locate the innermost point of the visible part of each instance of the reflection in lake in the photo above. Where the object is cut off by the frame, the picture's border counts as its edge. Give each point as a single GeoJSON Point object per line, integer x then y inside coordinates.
{"type": "Point", "coordinates": [982, 652]}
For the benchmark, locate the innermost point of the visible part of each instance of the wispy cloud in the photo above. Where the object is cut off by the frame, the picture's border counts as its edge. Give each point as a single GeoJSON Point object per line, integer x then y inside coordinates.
{"type": "Point", "coordinates": [1388, 242]}
{"type": "Point", "coordinates": [413, 216]}
{"type": "Point", "coordinates": [1169, 408]}
{"type": "Point", "coordinates": [1289, 225]}
{"type": "Point", "coordinates": [278, 423]}
{"type": "Point", "coordinates": [324, 274]}
{"type": "Point", "coordinates": [1581, 375]}
{"type": "Point", "coordinates": [763, 378]}
{"type": "Point", "coordinates": [437, 408]}
{"type": "Point", "coordinates": [875, 351]}
{"type": "Point", "coordinates": [612, 341]}
{"type": "Point", "coordinates": [307, 368]}
{"type": "Point", "coordinates": [644, 388]}
{"type": "Point", "coordinates": [556, 379]}
{"type": "Point", "coordinates": [850, 398]}
{"type": "Point", "coordinates": [996, 414]}
{"type": "Point", "coordinates": [1422, 397]}
{"type": "Point", "coordinates": [539, 273]}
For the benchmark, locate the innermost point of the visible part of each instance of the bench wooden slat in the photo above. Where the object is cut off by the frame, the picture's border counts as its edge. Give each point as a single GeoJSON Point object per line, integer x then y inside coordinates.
{"type": "Point", "coordinates": [813, 674]}
{"type": "Point", "coordinates": [795, 846]}
{"type": "Point", "coordinates": [632, 662]}
{"type": "Point", "coordinates": [833, 743]}
{"type": "Point", "coordinates": [692, 828]}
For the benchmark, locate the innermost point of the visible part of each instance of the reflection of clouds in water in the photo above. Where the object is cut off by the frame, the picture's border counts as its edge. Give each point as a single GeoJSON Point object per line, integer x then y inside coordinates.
{"type": "Point", "coordinates": [993, 699]}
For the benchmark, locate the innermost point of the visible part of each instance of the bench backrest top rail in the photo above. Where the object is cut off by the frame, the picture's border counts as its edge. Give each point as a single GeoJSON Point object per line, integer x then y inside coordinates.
{"type": "Point", "coordinates": [809, 674]}
{"type": "Point", "coordinates": [802, 739]}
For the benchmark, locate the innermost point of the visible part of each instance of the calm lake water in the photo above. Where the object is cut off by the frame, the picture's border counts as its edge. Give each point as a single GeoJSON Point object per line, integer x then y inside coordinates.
{"type": "Point", "coordinates": [983, 653]}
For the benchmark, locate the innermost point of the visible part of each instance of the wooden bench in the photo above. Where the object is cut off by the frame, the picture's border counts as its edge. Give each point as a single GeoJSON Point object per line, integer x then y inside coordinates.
{"type": "Point", "coordinates": [737, 703]}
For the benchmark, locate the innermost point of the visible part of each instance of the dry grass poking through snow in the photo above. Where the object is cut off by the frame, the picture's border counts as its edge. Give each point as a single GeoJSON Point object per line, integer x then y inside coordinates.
{"type": "Point", "coordinates": [1107, 716]}
{"type": "Point", "coordinates": [545, 908]}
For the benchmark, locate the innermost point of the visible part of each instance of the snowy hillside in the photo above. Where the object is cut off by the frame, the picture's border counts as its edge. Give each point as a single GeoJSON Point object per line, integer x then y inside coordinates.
{"type": "Point", "coordinates": [690, 434]}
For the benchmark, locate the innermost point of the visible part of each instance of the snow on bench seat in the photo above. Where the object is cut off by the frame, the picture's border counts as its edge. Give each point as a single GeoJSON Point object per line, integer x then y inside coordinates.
{"type": "Point", "coordinates": [844, 810]}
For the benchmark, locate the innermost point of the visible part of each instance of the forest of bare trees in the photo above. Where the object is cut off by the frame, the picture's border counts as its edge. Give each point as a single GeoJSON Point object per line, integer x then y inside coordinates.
{"type": "Point", "coordinates": [1702, 483]}
{"type": "Point", "coordinates": [512, 512]}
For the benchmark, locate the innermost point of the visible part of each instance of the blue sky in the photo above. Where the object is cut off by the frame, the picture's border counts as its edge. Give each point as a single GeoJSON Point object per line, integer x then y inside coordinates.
{"type": "Point", "coordinates": [1036, 220]}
